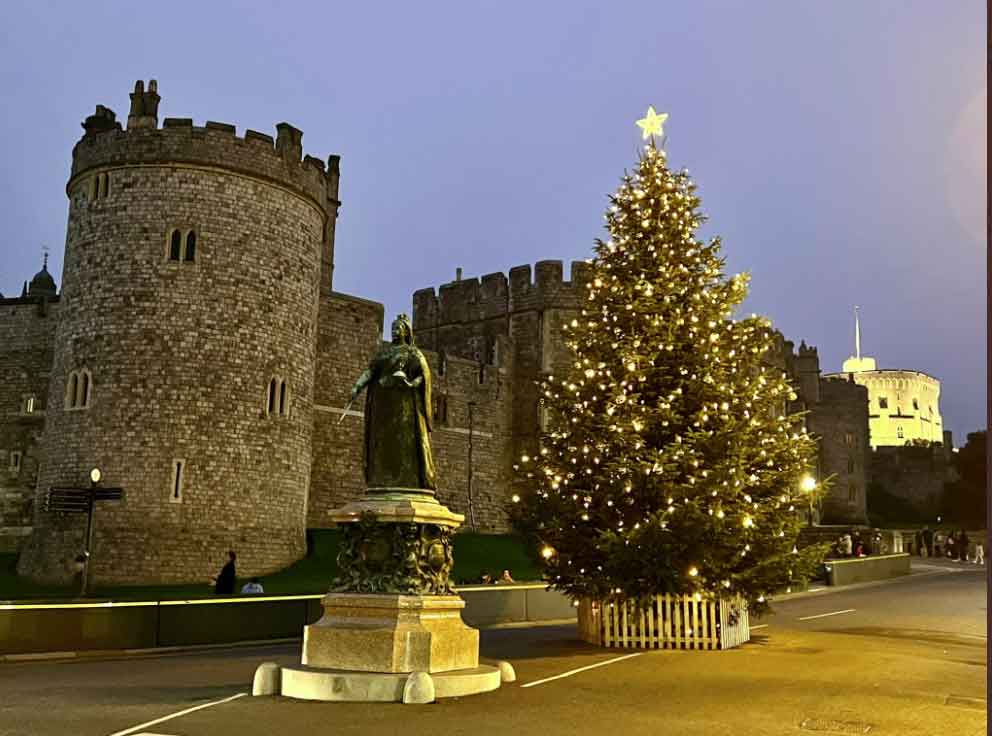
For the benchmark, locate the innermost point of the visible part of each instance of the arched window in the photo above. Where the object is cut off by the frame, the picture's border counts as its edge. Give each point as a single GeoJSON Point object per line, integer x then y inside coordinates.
{"type": "Point", "coordinates": [73, 388]}
{"type": "Point", "coordinates": [190, 254]}
{"type": "Point", "coordinates": [272, 397]}
{"type": "Point", "coordinates": [899, 432]}
{"type": "Point", "coordinates": [283, 405]}
{"type": "Point", "coordinates": [106, 185]}
{"type": "Point", "coordinates": [84, 399]}
{"type": "Point", "coordinates": [78, 389]}
{"type": "Point", "coordinates": [175, 245]}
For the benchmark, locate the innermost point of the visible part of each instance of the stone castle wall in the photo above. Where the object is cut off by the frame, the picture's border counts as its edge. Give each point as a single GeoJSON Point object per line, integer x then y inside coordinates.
{"type": "Point", "coordinates": [466, 318]}
{"type": "Point", "coordinates": [840, 421]}
{"type": "Point", "coordinates": [27, 336]}
{"type": "Point", "coordinates": [915, 474]}
{"type": "Point", "coordinates": [182, 353]}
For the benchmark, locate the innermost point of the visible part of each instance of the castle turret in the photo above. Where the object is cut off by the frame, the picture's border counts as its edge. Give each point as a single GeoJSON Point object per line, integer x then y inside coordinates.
{"type": "Point", "coordinates": [185, 350]}
{"type": "Point", "coordinates": [42, 284]}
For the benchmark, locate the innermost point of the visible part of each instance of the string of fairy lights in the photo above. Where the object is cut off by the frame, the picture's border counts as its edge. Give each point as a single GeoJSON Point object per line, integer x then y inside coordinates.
{"type": "Point", "coordinates": [669, 431]}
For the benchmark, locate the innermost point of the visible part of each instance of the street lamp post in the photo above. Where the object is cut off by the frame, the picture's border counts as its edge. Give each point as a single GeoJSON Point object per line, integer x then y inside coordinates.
{"type": "Point", "coordinates": [808, 484]}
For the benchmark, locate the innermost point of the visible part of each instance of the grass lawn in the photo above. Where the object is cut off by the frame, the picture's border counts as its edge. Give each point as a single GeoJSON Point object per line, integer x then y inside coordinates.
{"type": "Point", "coordinates": [473, 554]}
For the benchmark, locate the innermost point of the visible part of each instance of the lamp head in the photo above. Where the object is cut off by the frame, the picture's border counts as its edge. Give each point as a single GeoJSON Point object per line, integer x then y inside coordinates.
{"type": "Point", "coordinates": [95, 475]}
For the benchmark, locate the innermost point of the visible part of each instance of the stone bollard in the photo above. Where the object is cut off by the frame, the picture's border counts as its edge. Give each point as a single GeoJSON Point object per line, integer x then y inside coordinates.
{"type": "Point", "coordinates": [419, 689]}
{"type": "Point", "coordinates": [268, 679]}
{"type": "Point", "coordinates": [506, 672]}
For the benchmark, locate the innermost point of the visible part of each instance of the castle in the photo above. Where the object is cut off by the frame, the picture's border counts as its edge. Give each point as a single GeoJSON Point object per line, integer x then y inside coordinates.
{"type": "Point", "coordinates": [910, 449]}
{"type": "Point", "coordinates": [198, 355]}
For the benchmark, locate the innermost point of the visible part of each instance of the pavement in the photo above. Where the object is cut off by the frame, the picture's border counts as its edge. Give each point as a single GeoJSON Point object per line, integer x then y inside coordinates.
{"type": "Point", "coordinates": [907, 656]}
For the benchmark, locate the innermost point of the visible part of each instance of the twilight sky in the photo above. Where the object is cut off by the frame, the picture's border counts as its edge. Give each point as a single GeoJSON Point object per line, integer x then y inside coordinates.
{"type": "Point", "coordinates": [839, 146]}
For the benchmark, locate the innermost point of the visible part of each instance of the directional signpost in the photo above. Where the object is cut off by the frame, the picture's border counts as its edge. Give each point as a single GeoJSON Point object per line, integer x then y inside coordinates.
{"type": "Point", "coordinates": [82, 500]}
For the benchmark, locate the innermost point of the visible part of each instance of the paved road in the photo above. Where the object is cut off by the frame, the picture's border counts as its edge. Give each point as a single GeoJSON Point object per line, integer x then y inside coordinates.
{"type": "Point", "coordinates": [904, 657]}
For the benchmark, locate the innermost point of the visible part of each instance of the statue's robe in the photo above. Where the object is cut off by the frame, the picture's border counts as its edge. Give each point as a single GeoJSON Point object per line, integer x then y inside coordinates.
{"type": "Point", "coordinates": [398, 421]}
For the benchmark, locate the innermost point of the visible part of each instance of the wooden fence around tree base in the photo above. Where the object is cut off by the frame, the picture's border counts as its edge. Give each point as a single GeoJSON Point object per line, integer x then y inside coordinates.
{"type": "Point", "coordinates": [665, 622]}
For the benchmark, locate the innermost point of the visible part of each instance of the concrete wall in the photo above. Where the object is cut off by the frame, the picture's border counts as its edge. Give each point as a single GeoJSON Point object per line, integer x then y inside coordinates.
{"type": "Point", "coordinates": [139, 625]}
{"type": "Point", "coordinates": [865, 569]}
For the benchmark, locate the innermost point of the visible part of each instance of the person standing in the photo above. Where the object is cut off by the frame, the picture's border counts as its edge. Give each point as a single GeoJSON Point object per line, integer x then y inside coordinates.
{"type": "Point", "coordinates": [979, 552]}
{"type": "Point", "coordinates": [918, 543]}
{"type": "Point", "coordinates": [938, 543]}
{"type": "Point", "coordinates": [224, 583]}
{"type": "Point", "coordinates": [962, 545]}
{"type": "Point", "coordinates": [928, 541]}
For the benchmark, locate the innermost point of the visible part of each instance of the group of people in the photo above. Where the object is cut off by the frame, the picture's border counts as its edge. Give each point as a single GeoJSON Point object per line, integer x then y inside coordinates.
{"type": "Point", "coordinates": [848, 545]}
{"type": "Point", "coordinates": [504, 578]}
{"type": "Point", "coordinates": [953, 545]}
{"type": "Point", "coordinates": [226, 581]}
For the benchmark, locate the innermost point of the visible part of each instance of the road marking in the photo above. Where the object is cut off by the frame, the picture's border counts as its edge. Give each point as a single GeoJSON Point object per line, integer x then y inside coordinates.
{"type": "Point", "coordinates": [759, 626]}
{"type": "Point", "coordinates": [824, 615]}
{"type": "Point", "coordinates": [140, 726]}
{"type": "Point", "coordinates": [572, 672]}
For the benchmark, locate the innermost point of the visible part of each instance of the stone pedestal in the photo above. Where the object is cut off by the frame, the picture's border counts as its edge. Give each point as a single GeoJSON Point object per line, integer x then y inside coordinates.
{"type": "Point", "coordinates": [392, 627]}
{"type": "Point", "coordinates": [391, 633]}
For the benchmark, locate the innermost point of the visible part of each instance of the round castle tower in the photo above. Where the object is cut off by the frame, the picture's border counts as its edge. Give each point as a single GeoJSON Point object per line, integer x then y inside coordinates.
{"type": "Point", "coordinates": [186, 347]}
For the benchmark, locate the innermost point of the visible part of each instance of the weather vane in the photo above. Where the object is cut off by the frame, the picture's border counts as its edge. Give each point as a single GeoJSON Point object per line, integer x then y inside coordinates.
{"type": "Point", "coordinates": [652, 123]}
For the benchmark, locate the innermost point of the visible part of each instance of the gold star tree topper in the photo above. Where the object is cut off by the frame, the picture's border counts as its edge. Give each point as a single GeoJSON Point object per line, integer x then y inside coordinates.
{"type": "Point", "coordinates": [651, 123]}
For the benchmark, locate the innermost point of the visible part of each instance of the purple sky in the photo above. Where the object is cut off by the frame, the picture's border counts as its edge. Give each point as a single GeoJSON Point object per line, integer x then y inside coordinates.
{"type": "Point", "coordinates": [839, 147]}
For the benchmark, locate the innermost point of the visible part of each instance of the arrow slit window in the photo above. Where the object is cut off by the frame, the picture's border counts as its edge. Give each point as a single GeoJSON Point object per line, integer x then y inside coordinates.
{"type": "Point", "coordinates": [176, 484]}
{"type": "Point", "coordinates": [277, 401]}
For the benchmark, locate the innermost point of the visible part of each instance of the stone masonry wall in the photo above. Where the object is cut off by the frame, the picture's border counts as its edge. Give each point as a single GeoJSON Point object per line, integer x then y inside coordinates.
{"type": "Point", "coordinates": [465, 318]}
{"type": "Point", "coordinates": [27, 334]}
{"type": "Point", "coordinates": [840, 421]}
{"type": "Point", "coordinates": [181, 355]}
{"type": "Point", "coordinates": [915, 474]}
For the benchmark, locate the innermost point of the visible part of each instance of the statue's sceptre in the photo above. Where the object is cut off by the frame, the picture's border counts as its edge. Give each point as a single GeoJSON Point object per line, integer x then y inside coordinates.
{"type": "Point", "coordinates": [344, 412]}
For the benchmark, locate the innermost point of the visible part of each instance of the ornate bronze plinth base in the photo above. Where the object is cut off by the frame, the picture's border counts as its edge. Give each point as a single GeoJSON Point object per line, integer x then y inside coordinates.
{"type": "Point", "coordinates": [392, 610]}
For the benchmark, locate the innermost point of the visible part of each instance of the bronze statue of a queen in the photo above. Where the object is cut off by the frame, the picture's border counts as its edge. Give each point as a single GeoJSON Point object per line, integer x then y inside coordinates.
{"type": "Point", "coordinates": [398, 415]}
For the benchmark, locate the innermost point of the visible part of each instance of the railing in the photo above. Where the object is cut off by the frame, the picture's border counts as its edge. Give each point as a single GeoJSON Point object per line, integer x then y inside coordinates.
{"type": "Point", "coordinates": [666, 622]}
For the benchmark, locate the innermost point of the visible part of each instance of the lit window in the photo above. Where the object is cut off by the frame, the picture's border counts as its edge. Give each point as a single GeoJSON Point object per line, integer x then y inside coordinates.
{"type": "Point", "coordinates": [849, 439]}
{"type": "Point", "coordinates": [30, 404]}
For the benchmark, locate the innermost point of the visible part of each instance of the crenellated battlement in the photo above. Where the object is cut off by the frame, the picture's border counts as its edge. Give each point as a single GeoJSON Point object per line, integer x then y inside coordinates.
{"type": "Point", "coordinates": [499, 295]}
{"type": "Point", "coordinates": [105, 144]}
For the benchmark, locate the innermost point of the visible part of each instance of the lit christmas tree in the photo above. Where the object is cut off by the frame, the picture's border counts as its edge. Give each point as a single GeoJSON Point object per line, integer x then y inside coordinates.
{"type": "Point", "coordinates": [669, 463]}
